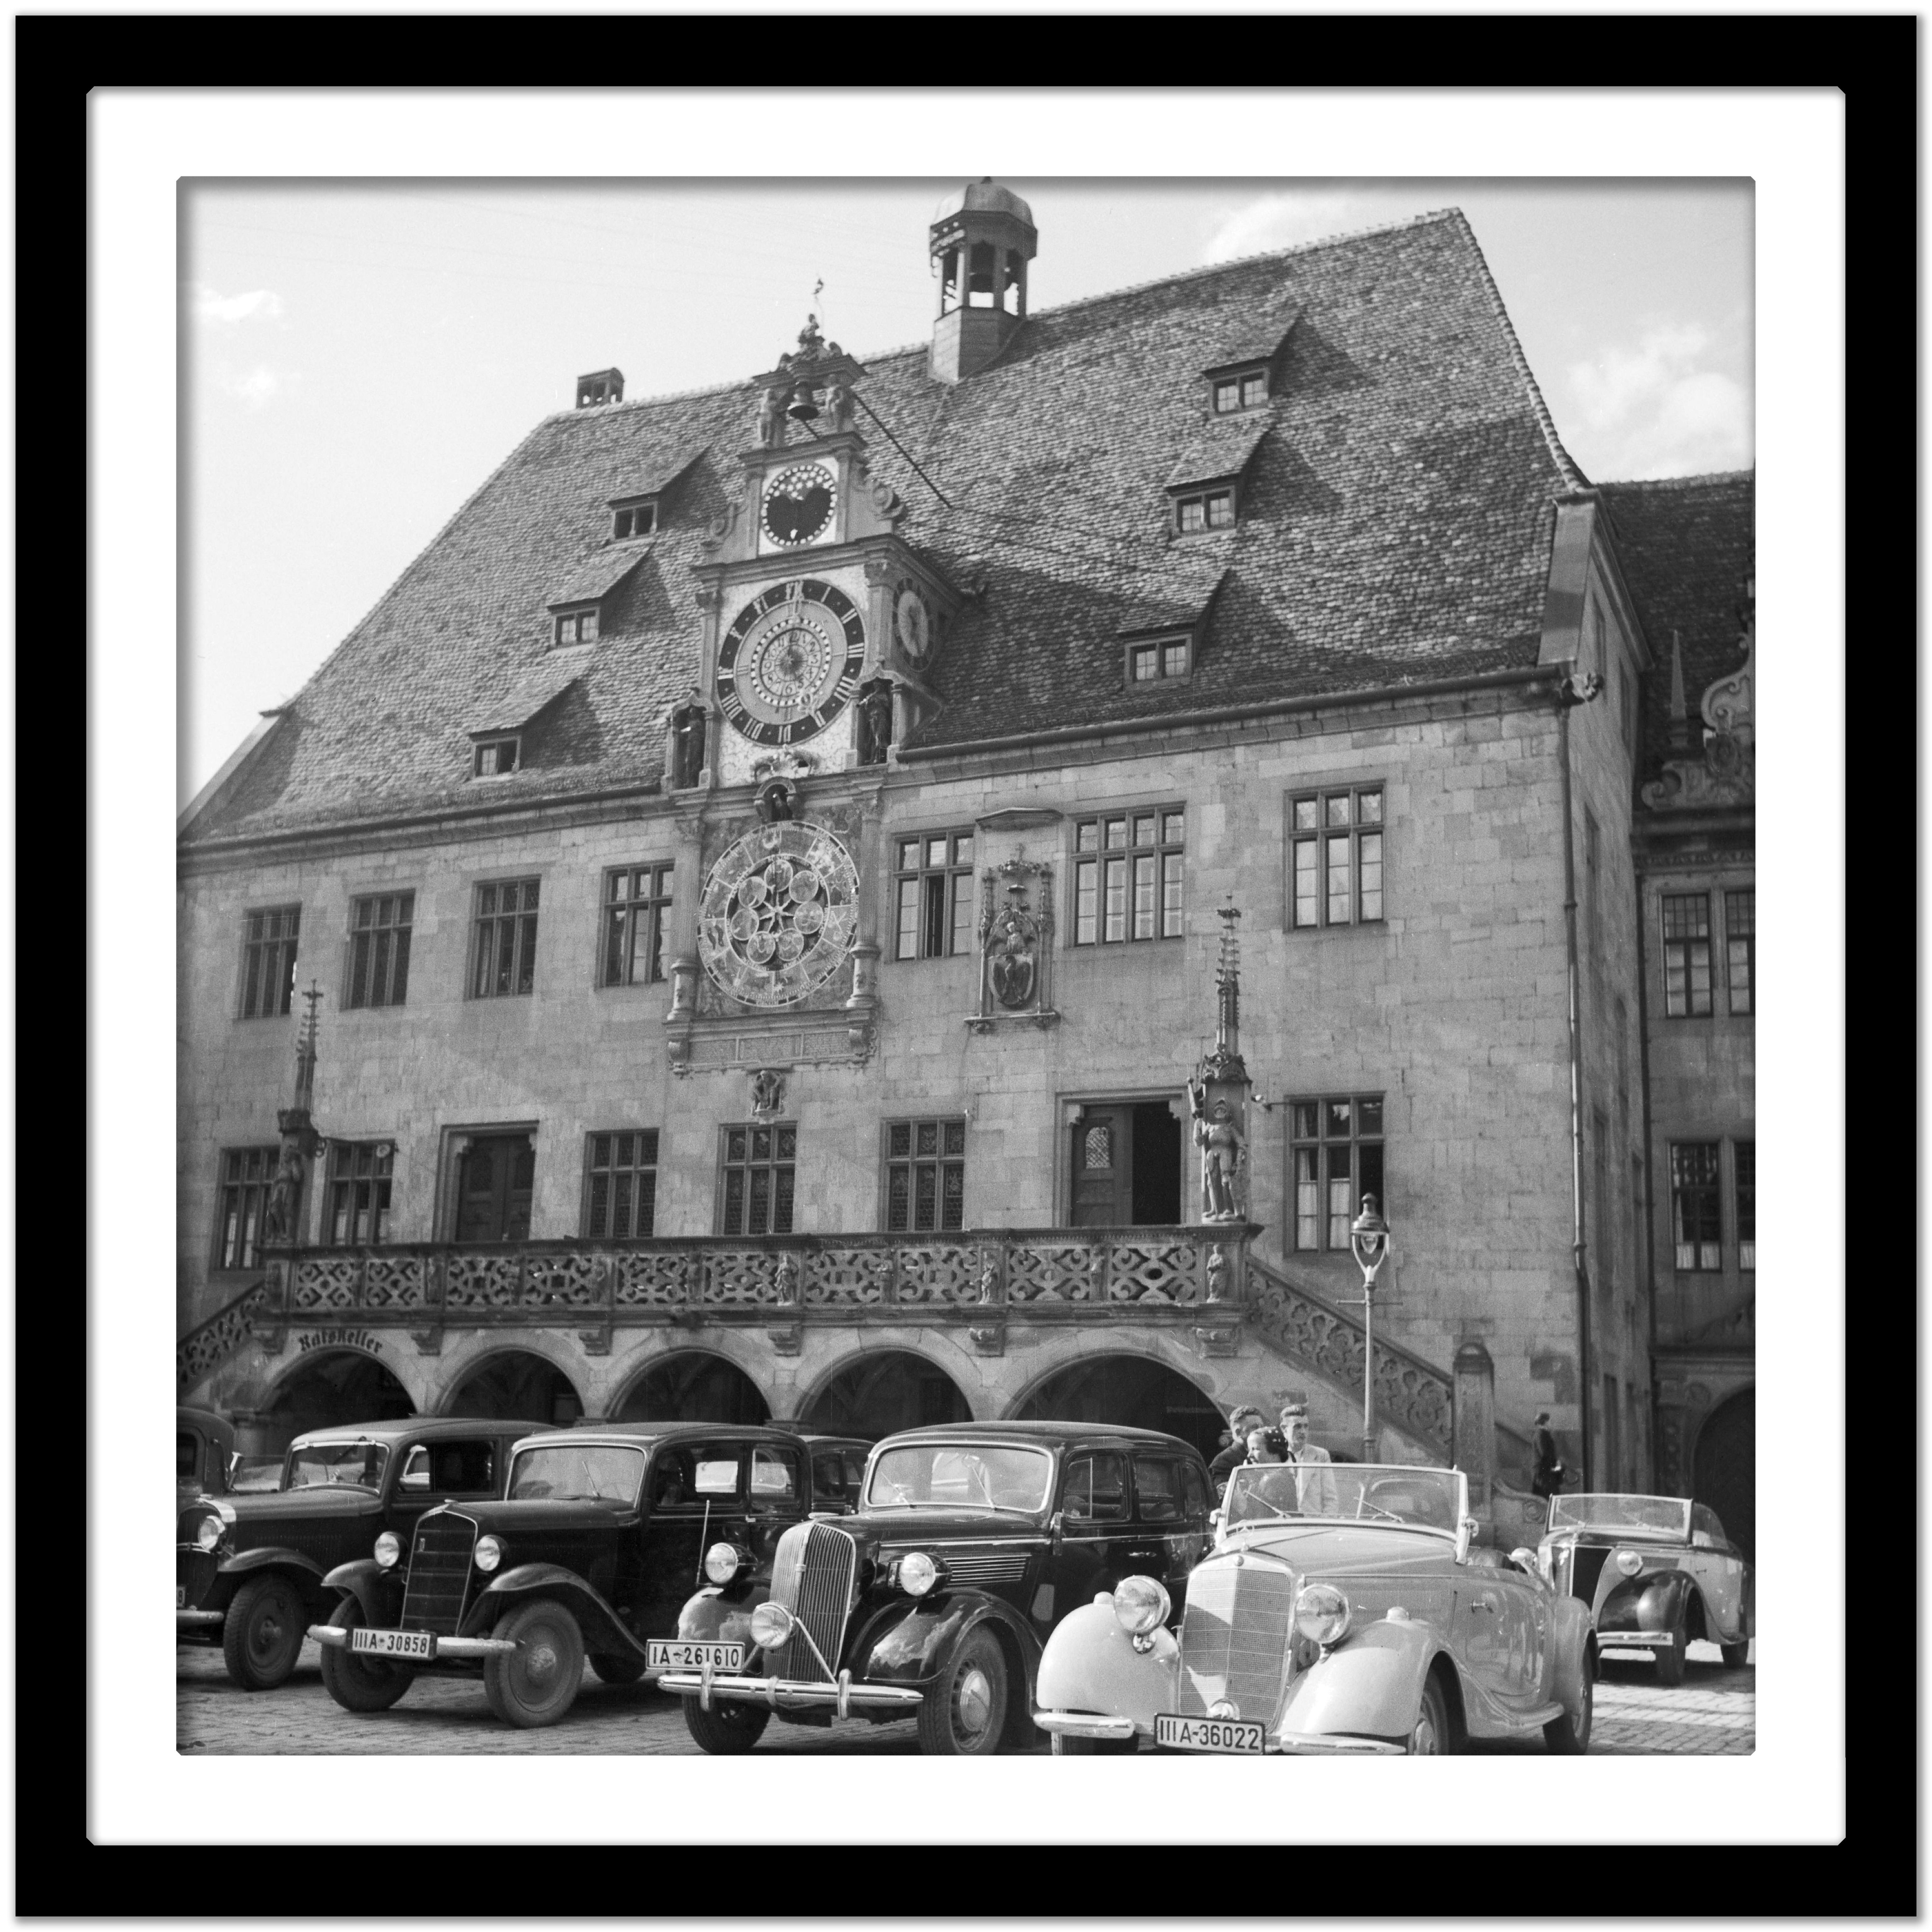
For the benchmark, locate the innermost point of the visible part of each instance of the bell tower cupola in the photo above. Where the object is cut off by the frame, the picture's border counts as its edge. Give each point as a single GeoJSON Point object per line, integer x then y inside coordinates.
{"type": "Point", "coordinates": [981, 239]}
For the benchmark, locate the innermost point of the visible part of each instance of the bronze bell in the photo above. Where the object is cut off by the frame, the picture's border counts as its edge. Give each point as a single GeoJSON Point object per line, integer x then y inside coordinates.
{"type": "Point", "coordinates": [804, 404]}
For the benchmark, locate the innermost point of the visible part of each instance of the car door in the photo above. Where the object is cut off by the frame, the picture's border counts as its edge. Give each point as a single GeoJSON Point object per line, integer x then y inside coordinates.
{"type": "Point", "coordinates": [1096, 1526]}
{"type": "Point", "coordinates": [1483, 1618]}
{"type": "Point", "coordinates": [694, 1495]}
{"type": "Point", "coordinates": [1163, 1541]}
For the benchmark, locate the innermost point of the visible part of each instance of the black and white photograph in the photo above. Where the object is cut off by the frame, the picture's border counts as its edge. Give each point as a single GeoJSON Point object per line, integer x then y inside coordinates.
{"type": "Point", "coordinates": [966, 967]}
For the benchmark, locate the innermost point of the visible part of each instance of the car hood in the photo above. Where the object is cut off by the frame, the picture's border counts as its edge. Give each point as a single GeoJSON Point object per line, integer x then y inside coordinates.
{"type": "Point", "coordinates": [1316, 1549]}
{"type": "Point", "coordinates": [254, 1508]}
{"type": "Point", "coordinates": [543, 1516]}
{"type": "Point", "coordinates": [926, 1525]}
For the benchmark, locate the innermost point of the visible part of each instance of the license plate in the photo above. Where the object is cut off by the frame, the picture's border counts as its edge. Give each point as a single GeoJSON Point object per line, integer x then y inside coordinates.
{"type": "Point", "coordinates": [1209, 1734]}
{"type": "Point", "coordinates": [393, 1643]}
{"type": "Point", "coordinates": [693, 1656]}
{"type": "Point", "coordinates": [181, 1596]}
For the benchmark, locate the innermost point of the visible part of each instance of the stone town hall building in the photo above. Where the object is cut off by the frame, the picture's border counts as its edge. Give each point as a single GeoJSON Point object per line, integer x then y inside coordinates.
{"type": "Point", "coordinates": [762, 870]}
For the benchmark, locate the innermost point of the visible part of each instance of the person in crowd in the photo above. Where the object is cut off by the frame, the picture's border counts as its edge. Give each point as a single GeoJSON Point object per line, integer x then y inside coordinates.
{"type": "Point", "coordinates": [1315, 1481]}
{"type": "Point", "coordinates": [1548, 1476]}
{"type": "Point", "coordinates": [1267, 1445]}
{"type": "Point", "coordinates": [1242, 1417]}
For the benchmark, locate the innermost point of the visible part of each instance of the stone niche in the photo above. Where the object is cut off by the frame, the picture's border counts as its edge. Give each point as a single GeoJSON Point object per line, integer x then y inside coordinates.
{"type": "Point", "coordinates": [1015, 850]}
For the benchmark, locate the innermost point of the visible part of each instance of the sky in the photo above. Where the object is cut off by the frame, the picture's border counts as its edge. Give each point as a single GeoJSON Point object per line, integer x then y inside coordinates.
{"type": "Point", "coordinates": [355, 358]}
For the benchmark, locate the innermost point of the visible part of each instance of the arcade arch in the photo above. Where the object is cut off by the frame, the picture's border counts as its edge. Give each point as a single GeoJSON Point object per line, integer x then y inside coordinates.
{"type": "Point", "coordinates": [884, 1391]}
{"type": "Point", "coordinates": [1725, 1467]}
{"type": "Point", "coordinates": [513, 1385]}
{"type": "Point", "coordinates": [1130, 1391]}
{"type": "Point", "coordinates": [693, 1385]}
{"type": "Point", "coordinates": [325, 1390]}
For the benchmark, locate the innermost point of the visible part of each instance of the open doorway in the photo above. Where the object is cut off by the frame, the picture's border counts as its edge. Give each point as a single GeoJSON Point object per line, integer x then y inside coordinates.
{"type": "Point", "coordinates": [1126, 1164]}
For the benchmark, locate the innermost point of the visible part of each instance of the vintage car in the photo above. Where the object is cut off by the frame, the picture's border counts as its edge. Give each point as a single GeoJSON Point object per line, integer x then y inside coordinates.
{"type": "Point", "coordinates": [971, 1542]}
{"type": "Point", "coordinates": [249, 1566]}
{"type": "Point", "coordinates": [204, 1453]}
{"type": "Point", "coordinates": [1658, 1573]}
{"type": "Point", "coordinates": [1345, 1609]}
{"type": "Point", "coordinates": [603, 1533]}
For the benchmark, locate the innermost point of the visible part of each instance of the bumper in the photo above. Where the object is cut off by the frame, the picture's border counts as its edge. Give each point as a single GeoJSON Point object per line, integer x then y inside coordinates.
{"type": "Point", "coordinates": [198, 1619]}
{"type": "Point", "coordinates": [1616, 1639]}
{"type": "Point", "coordinates": [1283, 1743]}
{"type": "Point", "coordinates": [785, 1693]}
{"type": "Point", "coordinates": [337, 1638]}
{"type": "Point", "coordinates": [1083, 1724]}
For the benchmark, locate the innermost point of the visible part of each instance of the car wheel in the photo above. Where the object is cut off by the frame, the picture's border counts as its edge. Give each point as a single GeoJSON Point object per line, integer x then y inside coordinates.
{"type": "Point", "coordinates": [1064, 1746]}
{"type": "Point", "coordinates": [263, 1634]}
{"type": "Point", "coordinates": [1671, 1660]}
{"type": "Point", "coordinates": [728, 1728]}
{"type": "Point", "coordinates": [1736, 1655]}
{"type": "Point", "coordinates": [965, 1710]}
{"type": "Point", "coordinates": [356, 1682]}
{"type": "Point", "coordinates": [1430, 1736]}
{"type": "Point", "coordinates": [1569, 1736]}
{"type": "Point", "coordinates": [536, 1683]}
{"type": "Point", "coordinates": [613, 1670]}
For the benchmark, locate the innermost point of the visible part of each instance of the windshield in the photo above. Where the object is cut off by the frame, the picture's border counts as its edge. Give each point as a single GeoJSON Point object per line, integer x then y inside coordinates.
{"type": "Point", "coordinates": [253, 1473]}
{"type": "Point", "coordinates": [1354, 1491]}
{"type": "Point", "coordinates": [311, 1464]}
{"type": "Point", "coordinates": [1663, 1516]}
{"type": "Point", "coordinates": [577, 1472]}
{"type": "Point", "coordinates": [961, 1475]}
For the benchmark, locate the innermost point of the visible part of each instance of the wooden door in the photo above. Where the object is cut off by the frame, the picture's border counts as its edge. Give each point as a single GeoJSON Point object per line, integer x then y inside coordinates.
{"type": "Point", "coordinates": [1103, 1167]}
{"type": "Point", "coordinates": [495, 1174]}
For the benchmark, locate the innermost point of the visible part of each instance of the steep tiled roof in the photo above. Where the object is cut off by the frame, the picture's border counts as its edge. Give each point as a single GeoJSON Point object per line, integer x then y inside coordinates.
{"type": "Point", "coordinates": [1685, 545]}
{"type": "Point", "coordinates": [595, 576]}
{"type": "Point", "coordinates": [531, 691]}
{"type": "Point", "coordinates": [1396, 526]}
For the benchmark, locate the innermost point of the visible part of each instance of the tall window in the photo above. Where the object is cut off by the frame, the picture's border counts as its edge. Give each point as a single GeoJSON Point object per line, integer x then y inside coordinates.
{"type": "Point", "coordinates": [925, 1175]}
{"type": "Point", "coordinates": [620, 1185]}
{"type": "Point", "coordinates": [1745, 1153]}
{"type": "Point", "coordinates": [358, 1192]}
{"type": "Point", "coordinates": [1592, 901]}
{"type": "Point", "coordinates": [759, 1162]}
{"type": "Point", "coordinates": [934, 881]}
{"type": "Point", "coordinates": [268, 962]}
{"type": "Point", "coordinates": [1740, 946]}
{"type": "Point", "coordinates": [245, 1175]}
{"type": "Point", "coordinates": [1130, 885]}
{"type": "Point", "coordinates": [635, 903]}
{"type": "Point", "coordinates": [1600, 1154]}
{"type": "Point", "coordinates": [1696, 1228]}
{"type": "Point", "coordinates": [1687, 954]}
{"type": "Point", "coordinates": [1335, 853]}
{"type": "Point", "coordinates": [506, 950]}
{"type": "Point", "coordinates": [378, 949]}
{"type": "Point", "coordinates": [1337, 1156]}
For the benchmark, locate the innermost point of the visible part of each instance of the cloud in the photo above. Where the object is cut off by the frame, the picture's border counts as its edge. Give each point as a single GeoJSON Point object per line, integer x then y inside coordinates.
{"type": "Point", "coordinates": [207, 305]}
{"type": "Point", "coordinates": [257, 387]}
{"type": "Point", "coordinates": [1283, 220]}
{"type": "Point", "coordinates": [1662, 408]}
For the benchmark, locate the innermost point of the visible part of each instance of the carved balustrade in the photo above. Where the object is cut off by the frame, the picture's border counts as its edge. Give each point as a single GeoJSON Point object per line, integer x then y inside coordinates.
{"type": "Point", "coordinates": [202, 1350]}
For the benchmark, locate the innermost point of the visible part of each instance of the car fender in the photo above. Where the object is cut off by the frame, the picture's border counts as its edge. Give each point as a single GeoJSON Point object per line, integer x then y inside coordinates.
{"type": "Point", "coordinates": [302, 1571]}
{"type": "Point", "coordinates": [377, 1591]}
{"type": "Point", "coordinates": [1651, 1600]}
{"type": "Point", "coordinates": [603, 1629]}
{"type": "Point", "coordinates": [1368, 1685]}
{"type": "Point", "coordinates": [1089, 1663]}
{"type": "Point", "coordinates": [909, 1643]}
{"type": "Point", "coordinates": [713, 1616]}
{"type": "Point", "coordinates": [1569, 1660]}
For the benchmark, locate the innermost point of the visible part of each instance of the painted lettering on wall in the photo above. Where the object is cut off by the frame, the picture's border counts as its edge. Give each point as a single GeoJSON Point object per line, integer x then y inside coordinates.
{"type": "Point", "coordinates": [339, 1338]}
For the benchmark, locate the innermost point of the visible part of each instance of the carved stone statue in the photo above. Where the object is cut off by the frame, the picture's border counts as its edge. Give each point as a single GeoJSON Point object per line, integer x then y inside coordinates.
{"type": "Point", "coordinates": [838, 407]}
{"type": "Point", "coordinates": [278, 1223]}
{"type": "Point", "coordinates": [775, 800]}
{"type": "Point", "coordinates": [786, 1278]}
{"type": "Point", "coordinates": [770, 427]}
{"type": "Point", "coordinates": [1217, 1272]}
{"type": "Point", "coordinates": [767, 1091]}
{"type": "Point", "coordinates": [875, 724]}
{"type": "Point", "coordinates": [688, 743]}
{"type": "Point", "coordinates": [1010, 956]}
{"type": "Point", "coordinates": [989, 1286]}
{"type": "Point", "coordinates": [1222, 1151]}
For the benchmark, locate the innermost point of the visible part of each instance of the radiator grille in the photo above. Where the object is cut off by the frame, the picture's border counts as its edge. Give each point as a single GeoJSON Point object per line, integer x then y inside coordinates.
{"type": "Point", "coordinates": [1237, 1637]}
{"type": "Point", "coordinates": [812, 1575]}
{"type": "Point", "coordinates": [439, 1578]}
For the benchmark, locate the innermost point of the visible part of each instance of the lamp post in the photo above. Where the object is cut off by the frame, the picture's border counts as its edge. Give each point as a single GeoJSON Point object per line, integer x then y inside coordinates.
{"type": "Point", "coordinates": [1370, 1239]}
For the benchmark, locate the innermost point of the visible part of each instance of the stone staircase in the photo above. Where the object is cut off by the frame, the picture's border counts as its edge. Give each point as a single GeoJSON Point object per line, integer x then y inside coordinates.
{"type": "Point", "coordinates": [205, 1348]}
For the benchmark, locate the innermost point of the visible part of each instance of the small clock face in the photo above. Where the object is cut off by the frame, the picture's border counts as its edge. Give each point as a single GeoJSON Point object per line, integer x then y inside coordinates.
{"type": "Point", "coordinates": [790, 661]}
{"type": "Point", "coordinates": [914, 623]}
{"type": "Point", "coordinates": [798, 503]}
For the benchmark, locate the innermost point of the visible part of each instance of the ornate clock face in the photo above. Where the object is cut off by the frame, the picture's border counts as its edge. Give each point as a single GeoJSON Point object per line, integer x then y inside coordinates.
{"type": "Point", "coordinates": [914, 621]}
{"type": "Point", "coordinates": [779, 912]}
{"type": "Point", "coordinates": [798, 503]}
{"type": "Point", "coordinates": [789, 663]}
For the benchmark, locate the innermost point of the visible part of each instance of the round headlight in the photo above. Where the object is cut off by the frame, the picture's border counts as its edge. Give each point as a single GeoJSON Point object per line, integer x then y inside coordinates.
{"type": "Point", "coordinates": [721, 1563]}
{"type": "Point", "coordinates": [208, 1532]}
{"type": "Point", "coordinates": [387, 1550]}
{"type": "Point", "coordinates": [1141, 1605]}
{"type": "Point", "coordinates": [1321, 1612]}
{"type": "Point", "coordinates": [918, 1573]}
{"type": "Point", "coordinates": [489, 1552]}
{"type": "Point", "coordinates": [771, 1626]}
{"type": "Point", "coordinates": [1629, 1561]}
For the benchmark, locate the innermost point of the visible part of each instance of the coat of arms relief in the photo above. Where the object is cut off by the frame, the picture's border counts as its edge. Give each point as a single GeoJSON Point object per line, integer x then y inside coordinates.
{"type": "Point", "coordinates": [1016, 944]}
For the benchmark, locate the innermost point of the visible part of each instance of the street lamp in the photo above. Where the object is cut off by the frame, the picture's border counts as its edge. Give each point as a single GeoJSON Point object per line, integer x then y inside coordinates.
{"type": "Point", "coordinates": [1370, 1239]}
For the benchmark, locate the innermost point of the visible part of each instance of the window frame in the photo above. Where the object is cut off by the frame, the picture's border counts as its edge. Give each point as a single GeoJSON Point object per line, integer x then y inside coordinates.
{"type": "Point", "coordinates": [959, 944]}
{"type": "Point", "coordinates": [1199, 496]}
{"type": "Point", "coordinates": [1322, 1141]}
{"type": "Point", "coordinates": [1688, 941]}
{"type": "Point", "coordinates": [1241, 376]}
{"type": "Point", "coordinates": [656, 905]}
{"type": "Point", "coordinates": [495, 741]}
{"type": "Point", "coordinates": [1744, 1203]}
{"type": "Point", "coordinates": [250, 977]}
{"type": "Point", "coordinates": [623, 507]}
{"type": "Point", "coordinates": [1095, 858]}
{"type": "Point", "coordinates": [1318, 836]}
{"type": "Point", "coordinates": [271, 1153]}
{"type": "Point", "coordinates": [938, 1161]}
{"type": "Point", "coordinates": [380, 1181]}
{"type": "Point", "coordinates": [1712, 1185]}
{"type": "Point", "coordinates": [521, 957]}
{"type": "Point", "coordinates": [567, 622]}
{"type": "Point", "coordinates": [405, 926]}
{"type": "Point", "coordinates": [1733, 939]}
{"type": "Point", "coordinates": [635, 1169]}
{"type": "Point", "coordinates": [771, 1163]}
{"type": "Point", "coordinates": [1162, 645]}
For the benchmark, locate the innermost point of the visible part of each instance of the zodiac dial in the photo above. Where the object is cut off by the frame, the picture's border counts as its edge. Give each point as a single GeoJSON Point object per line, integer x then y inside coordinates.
{"type": "Point", "coordinates": [789, 663]}
{"type": "Point", "coordinates": [778, 913]}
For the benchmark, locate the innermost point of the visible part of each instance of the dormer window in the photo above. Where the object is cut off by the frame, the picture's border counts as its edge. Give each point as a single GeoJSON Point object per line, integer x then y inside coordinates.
{"type": "Point", "coordinates": [576, 627]}
{"type": "Point", "coordinates": [1204, 486]}
{"type": "Point", "coordinates": [1235, 390]}
{"type": "Point", "coordinates": [1211, 510]}
{"type": "Point", "coordinates": [633, 517]}
{"type": "Point", "coordinates": [1156, 660]}
{"type": "Point", "coordinates": [497, 757]}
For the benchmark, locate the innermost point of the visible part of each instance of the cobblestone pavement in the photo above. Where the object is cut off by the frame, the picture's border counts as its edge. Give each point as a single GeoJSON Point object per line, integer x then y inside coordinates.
{"type": "Point", "coordinates": [1712, 1713]}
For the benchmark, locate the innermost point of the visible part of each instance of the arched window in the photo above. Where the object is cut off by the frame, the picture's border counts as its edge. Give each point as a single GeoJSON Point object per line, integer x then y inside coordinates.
{"type": "Point", "coordinates": [980, 275]}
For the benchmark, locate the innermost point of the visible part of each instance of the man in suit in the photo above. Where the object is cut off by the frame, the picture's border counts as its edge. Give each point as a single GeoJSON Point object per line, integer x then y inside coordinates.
{"type": "Point", "coordinates": [1315, 1479]}
{"type": "Point", "coordinates": [1548, 1478]}
{"type": "Point", "coordinates": [1243, 1417]}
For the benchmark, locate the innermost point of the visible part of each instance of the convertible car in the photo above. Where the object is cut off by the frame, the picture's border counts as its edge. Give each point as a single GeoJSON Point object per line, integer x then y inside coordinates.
{"type": "Point", "coordinates": [1345, 1610]}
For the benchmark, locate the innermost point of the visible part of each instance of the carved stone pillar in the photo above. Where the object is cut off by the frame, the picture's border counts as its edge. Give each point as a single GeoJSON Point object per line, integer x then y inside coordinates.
{"type": "Point", "coordinates": [1473, 1428]}
{"type": "Point", "coordinates": [683, 966]}
{"type": "Point", "coordinates": [862, 1007]}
